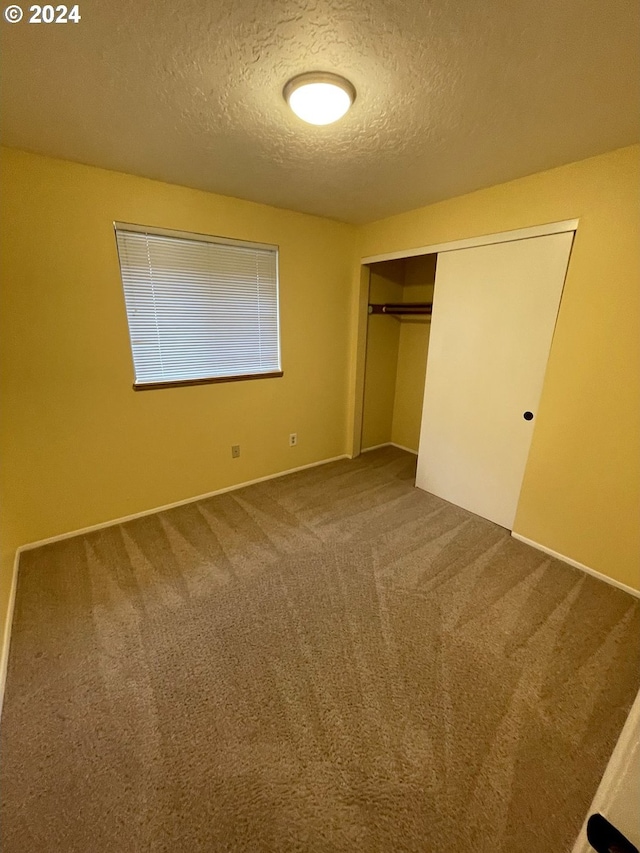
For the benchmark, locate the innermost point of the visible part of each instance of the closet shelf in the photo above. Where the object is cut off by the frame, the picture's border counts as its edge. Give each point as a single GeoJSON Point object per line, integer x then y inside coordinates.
{"type": "Point", "coordinates": [400, 308]}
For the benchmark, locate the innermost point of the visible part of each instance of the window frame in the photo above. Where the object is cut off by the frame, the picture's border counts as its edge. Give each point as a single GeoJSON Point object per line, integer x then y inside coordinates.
{"type": "Point", "coordinates": [197, 237]}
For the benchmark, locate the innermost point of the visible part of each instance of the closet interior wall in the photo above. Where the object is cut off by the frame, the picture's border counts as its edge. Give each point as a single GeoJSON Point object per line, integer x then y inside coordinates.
{"type": "Point", "coordinates": [396, 357]}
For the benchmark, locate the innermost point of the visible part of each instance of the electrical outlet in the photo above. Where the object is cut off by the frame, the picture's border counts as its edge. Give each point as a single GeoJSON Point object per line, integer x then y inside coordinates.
{"type": "Point", "coordinates": [293, 439]}
{"type": "Point", "coordinates": [235, 450]}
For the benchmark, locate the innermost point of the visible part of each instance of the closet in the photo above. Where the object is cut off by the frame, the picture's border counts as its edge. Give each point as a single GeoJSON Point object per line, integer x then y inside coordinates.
{"type": "Point", "coordinates": [399, 305]}
{"type": "Point", "coordinates": [460, 383]}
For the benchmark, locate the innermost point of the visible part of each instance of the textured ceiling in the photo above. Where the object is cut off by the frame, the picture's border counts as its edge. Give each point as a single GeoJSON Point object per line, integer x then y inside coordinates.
{"type": "Point", "coordinates": [452, 95]}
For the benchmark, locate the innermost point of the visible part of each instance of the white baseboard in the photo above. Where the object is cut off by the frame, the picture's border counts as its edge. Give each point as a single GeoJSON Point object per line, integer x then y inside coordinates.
{"type": "Point", "coordinates": [402, 447]}
{"type": "Point", "coordinates": [184, 502]}
{"type": "Point", "coordinates": [388, 444]}
{"type": "Point", "coordinates": [612, 581]}
{"type": "Point", "coordinates": [6, 636]}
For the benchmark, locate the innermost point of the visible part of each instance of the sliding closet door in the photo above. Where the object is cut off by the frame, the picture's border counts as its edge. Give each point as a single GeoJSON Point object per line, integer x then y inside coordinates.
{"type": "Point", "coordinates": [494, 313]}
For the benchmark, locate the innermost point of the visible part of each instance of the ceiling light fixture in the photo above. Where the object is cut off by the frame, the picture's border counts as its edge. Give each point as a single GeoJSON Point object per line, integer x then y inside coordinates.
{"type": "Point", "coordinates": [319, 97]}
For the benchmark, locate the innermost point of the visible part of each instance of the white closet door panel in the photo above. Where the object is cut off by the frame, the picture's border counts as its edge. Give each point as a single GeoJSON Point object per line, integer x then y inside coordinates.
{"type": "Point", "coordinates": [494, 313]}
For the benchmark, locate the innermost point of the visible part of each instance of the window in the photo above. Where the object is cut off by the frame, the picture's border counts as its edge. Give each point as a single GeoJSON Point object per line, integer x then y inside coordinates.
{"type": "Point", "coordinates": [200, 309]}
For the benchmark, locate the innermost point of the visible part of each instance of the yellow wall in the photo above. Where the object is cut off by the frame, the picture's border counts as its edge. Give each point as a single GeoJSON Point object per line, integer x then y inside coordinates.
{"type": "Point", "coordinates": [580, 494]}
{"type": "Point", "coordinates": [419, 276]}
{"type": "Point", "coordinates": [383, 337]}
{"type": "Point", "coordinates": [78, 445]}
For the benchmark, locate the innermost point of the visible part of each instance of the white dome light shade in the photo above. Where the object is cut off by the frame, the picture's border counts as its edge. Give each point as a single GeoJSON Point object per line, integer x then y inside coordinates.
{"type": "Point", "coordinates": [319, 97]}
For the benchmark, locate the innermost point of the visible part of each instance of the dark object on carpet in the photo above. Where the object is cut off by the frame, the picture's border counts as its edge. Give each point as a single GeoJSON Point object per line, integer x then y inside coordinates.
{"type": "Point", "coordinates": [605, 838]}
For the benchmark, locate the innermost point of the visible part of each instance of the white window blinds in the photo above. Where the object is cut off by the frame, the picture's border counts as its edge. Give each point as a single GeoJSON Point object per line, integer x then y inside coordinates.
{"type": "Point", "coordinates": [198, 308]}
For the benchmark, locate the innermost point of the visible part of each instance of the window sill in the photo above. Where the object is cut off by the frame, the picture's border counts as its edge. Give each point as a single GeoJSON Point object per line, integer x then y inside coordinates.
{"type": "Point", "coordinates": [174, 383]}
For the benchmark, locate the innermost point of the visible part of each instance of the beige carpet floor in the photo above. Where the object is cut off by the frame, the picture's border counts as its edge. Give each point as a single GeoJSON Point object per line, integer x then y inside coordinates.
{"type": "Point", "coordinates": [331, 661]}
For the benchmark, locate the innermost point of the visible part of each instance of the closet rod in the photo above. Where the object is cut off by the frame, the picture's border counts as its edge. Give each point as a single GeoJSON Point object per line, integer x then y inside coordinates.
{"type": "Point", "coordinates": [400, 308]}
